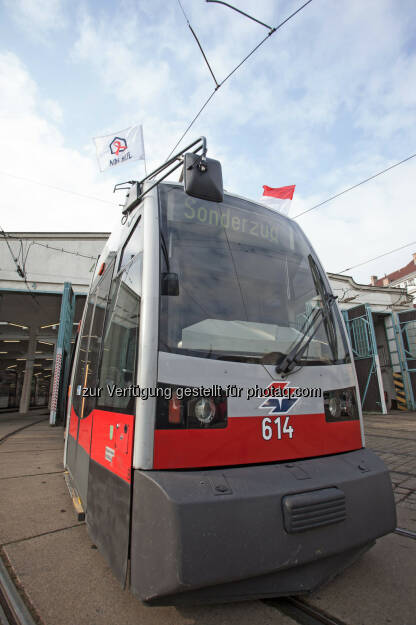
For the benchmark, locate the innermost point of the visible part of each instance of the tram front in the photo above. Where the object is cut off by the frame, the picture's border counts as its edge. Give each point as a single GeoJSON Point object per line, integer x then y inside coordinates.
{"type": "Point", "coordinates": [250, 473]}
{"type": "Point", "coordinates": [214, 432]}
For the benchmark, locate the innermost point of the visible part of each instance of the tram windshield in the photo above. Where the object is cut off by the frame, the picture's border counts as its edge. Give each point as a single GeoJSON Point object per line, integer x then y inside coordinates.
{"type": "Point", "coordinates": [249, 288]}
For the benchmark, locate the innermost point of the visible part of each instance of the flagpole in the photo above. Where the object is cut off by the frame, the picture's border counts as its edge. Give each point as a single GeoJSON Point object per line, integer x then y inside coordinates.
{"type": "Point", "coordinates": [144, 153]}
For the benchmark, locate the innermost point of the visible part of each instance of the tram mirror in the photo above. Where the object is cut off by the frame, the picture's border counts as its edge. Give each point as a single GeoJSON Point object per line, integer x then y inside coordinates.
{"type": "Point", "coordinates": [170, 283]}
{"type": "Point", "coordinates": [203, 178]}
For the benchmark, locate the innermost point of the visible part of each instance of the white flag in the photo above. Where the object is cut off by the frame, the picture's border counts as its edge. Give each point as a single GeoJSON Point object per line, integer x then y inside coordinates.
{"type": "Point", "coordinates": [120, 147]}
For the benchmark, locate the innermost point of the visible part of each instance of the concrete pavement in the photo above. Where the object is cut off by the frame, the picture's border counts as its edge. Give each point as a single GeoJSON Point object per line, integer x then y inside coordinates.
{"type": "Point", "coordinates": [9, 419]}
{"type": "Point", "coordinates": [62, 576]}
{"type": "Point", "coordinates": [65, 580]}
{"type": "Point", "coordinates": [393, 438]}
{"type": "Point", "coordinates": [380, 587]}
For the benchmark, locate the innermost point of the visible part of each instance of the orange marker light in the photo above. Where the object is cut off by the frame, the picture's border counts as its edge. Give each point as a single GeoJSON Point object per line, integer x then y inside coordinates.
{"type": "Point", "coordinates": [175, 410]}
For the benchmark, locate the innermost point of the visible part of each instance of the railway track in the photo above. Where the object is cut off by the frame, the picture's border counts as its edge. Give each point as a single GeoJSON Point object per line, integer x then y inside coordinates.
{"type": "Point", "coordinates": [306, 614]}
{"type": "Point", "coordinates": [403, 532]}
{"type": "Point", "coordinates": [23, 427]}
{"type": "Point", "coordinates": [13, 610]}
{"type": "Point", "coordinates": [302, 612]}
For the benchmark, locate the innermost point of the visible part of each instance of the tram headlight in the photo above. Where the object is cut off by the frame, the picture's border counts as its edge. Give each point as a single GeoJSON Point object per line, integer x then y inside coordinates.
{"type": "Point", "coordinates": [207, 412]}
{"type": "Point", "coordinates": [204, 410]}
{"type": "Point", "coordinates": [341, 405]}
{"type": "Point", "coordinates": [334, 407]}
{"type": "Point", "coordinates": [184, 408]}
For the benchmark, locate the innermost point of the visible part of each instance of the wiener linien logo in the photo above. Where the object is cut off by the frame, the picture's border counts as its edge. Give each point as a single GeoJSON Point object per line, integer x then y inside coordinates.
{"type": "Point", "coordinates": [279, 398]}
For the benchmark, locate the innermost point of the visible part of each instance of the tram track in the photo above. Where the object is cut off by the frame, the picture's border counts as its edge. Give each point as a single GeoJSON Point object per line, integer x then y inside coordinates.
{"type": "Point", "coordinates": [13, 610]}
{"type": "Point", "coordinates": [302, 612]}
{"type": "Point", "coordinates": [306, 614]}
{"type": "Point", "coordinates": [23, 427]}
{"type": "Point", "coordinates": [403, 532]}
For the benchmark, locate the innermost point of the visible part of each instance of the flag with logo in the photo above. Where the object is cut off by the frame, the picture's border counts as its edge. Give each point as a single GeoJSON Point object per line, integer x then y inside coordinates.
{"type": "Point", "coordinates": [120, 147]}
{"type": "Point", "coordinates": [279, 199]}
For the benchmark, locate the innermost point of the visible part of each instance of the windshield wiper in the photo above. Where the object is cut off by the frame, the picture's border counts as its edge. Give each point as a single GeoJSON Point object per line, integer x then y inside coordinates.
{"type": "Point", "coordinates": [290, 361]}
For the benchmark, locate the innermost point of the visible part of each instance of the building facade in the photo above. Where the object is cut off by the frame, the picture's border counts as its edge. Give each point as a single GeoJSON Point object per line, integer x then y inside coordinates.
{"type": "Point", "coordinates": [42, 275]}
{"type": "Point", "coordinates": [44, 280]}
{"type": "Point", "coordinates": [405, 278]}
{"type": "Point", "coordinates": [381, 324]}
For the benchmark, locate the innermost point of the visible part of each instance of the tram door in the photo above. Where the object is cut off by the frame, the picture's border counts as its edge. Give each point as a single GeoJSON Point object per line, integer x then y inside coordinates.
{"type": "Point", "coordinates": [106, 426]}
{"type": "Point", "coordinates": [86, 377]}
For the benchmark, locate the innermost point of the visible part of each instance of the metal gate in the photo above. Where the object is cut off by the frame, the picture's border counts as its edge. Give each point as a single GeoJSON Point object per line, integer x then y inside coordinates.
{"type": "Point", "coordinates": [62, 358]}
{"type": "Point", "coordinates": [360, 327]}
{"type": "Point", "coordinates": [404, 330]}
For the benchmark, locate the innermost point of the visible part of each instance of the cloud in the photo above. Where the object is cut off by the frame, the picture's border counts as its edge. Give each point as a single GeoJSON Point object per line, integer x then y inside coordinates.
{"type": "Point", "coordinates": [375, 218]}
{"type": "Point", "coordinates": [324, 103]}
{"type": "Point", "coordinates": [36, 150]}
{"type": "Point", "coordinates": [38, 18]}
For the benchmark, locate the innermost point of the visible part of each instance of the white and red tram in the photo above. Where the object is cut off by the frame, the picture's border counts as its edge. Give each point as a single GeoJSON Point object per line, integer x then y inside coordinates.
{"type": "Point", "coordinates": [214, 433]}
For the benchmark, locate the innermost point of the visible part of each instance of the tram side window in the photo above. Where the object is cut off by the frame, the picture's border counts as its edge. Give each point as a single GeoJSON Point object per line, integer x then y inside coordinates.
{"type": "Point", "coordinates": [82, 357]}
{"type": "Point", "coordinates": [89, 353]}
{"type": "Point", "coordinates": [119, 361]}
{"type": "Point", "coordinates": [133, 245]}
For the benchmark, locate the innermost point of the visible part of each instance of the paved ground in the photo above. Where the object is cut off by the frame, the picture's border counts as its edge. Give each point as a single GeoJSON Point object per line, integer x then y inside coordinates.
{"type": "Point", "coordinates": [66, 580]}
{"type": "Point", "coordinates": [380, 588]}
{"type": "Point", "coordinates": [393, 438]}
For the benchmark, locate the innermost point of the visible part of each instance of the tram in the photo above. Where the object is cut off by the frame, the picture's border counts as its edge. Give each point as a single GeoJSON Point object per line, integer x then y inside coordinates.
{"type": "Point", "coordinates": [214, 429]}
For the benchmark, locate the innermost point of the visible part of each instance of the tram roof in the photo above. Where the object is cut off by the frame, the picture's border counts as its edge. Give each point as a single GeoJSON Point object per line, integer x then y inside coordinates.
{"type": "Point", "coordinates": [237, 195]}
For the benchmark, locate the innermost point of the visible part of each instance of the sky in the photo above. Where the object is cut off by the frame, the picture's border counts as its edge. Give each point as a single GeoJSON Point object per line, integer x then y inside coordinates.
{"type": "Point", "coordinates": [327, 101]}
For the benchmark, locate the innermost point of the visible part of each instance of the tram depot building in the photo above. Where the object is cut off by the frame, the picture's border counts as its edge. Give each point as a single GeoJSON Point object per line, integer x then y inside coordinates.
{"type": "Point", "coordinates": [44, 280]}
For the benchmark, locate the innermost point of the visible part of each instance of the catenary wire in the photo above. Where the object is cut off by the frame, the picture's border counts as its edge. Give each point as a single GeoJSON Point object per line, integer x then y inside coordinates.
{"type": "Point", "coordinates": [51, 247]}
{"type": "Point", "coordinates": [250, 17]}
{"type": "Point", "coordinates": [219, 85]}
{"type": "Point", "coordinates": [198, 42]}
{"type": "Point", "coordinates": [354, 186]}
{"type": "Point", "coordinates": [272, 31]}
{"type": "Point", "coordinates": [51, 186]}
{"type": "Point", "coordinates": [19, 270]}
{"type": "Point", "coordinates": [377, 257]}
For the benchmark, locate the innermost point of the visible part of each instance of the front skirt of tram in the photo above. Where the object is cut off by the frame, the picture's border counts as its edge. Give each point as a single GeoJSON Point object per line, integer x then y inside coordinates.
{"type": "Point", "coordinates": [255, 531]}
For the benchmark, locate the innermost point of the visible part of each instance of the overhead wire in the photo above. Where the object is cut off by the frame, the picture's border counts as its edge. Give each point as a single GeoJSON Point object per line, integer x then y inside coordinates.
{"type": "Point", "coordinates": [51, 247]}
{"type": "Point", "coordinates": [56, 188]}
{"type": "Point", "coordinates": [22, 271]}
{"type": "Point", "coordinates": [61, 249]}
{"type": "Point", "coordinates": [358, 184]}
{"type": "Point", "coordinates": [198, 42]}
{"type": "Point", "coordinates": [220, 84]}
{"type": "Point", "coordinates": [19, 269]}
{"type": "Point", "coordinates": [272, 31]}
{"type": "Point", "coordinates": [383, 171]}
{"type": "Point", "coordinates": [250, 17]}
{"type": "Point", "coordinates": [402, 247]}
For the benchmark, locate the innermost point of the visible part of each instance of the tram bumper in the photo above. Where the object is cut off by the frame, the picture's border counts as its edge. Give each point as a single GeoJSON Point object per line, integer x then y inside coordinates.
{"type": "Point", "coordinates": [255, 531]}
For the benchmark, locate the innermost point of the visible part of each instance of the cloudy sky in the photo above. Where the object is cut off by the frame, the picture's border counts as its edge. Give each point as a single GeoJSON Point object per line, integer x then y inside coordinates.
{"type": "Point", "coordinates": [327, 101]}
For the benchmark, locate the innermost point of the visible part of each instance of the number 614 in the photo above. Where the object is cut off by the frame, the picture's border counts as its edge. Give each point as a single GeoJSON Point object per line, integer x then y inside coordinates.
{"type": "Point", "coordinates": [267, 428]}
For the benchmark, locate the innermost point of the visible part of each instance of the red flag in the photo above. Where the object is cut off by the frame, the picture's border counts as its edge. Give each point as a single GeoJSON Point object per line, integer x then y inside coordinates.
{"type": "Point", "coordinates": [282, 193]}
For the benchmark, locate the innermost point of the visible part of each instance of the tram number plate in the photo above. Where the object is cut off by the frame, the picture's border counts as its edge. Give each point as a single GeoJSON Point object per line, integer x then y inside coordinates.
{"type": "Point", "coordinates": [273, 428]}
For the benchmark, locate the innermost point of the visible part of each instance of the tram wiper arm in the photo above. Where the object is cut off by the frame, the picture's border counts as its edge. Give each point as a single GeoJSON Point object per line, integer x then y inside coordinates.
{"type": "Point", "coordinates": [165, 251]}
{"type": "Point", "coordinates": [290, 361]}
